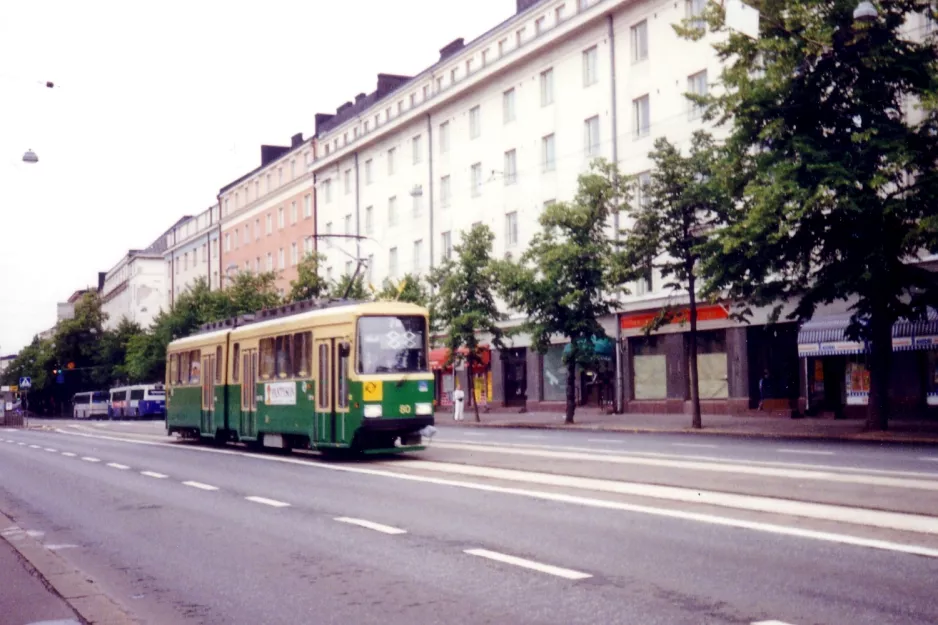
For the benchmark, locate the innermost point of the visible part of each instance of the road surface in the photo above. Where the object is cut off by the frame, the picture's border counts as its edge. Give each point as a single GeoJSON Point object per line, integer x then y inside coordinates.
{"type": "Point", "coordinates": [493, 528]}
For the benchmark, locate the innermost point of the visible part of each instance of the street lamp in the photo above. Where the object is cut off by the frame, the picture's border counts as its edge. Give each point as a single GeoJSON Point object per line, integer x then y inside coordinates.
{"type": "Point", "coordinates": [865, 12]}
{"type": "Point", "coordinates": [30, 157]}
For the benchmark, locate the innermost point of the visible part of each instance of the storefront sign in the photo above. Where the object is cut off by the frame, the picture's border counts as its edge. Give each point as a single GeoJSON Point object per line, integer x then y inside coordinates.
{"type": "Point", "coordinates": [637, 321]}
{"type": "Point", "coordinates": [280, 393]}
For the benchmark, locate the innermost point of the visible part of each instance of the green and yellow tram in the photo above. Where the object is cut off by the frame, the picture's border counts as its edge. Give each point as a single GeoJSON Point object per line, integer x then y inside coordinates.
{"type": "Point", "coordinates": [352, 376]}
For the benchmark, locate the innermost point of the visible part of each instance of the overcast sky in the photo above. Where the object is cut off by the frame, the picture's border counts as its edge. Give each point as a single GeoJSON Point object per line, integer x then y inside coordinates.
{"type": "Point", "coordinates": [157, 105]}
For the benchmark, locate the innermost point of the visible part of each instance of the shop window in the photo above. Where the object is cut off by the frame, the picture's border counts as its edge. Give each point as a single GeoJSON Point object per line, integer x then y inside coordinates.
{"type": "Point", "coordinates": [555, 374]}
{"type": "Point", "coordinates": [649, 368]}
{"type": "Point", "coordinates": [712, 365]}
{"type": "Point", "coordinates": [268, 360]}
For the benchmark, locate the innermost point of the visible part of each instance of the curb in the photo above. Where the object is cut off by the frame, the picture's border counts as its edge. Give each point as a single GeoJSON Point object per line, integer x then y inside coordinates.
{"type": "Point", "coordinates": [860, 437]}
{"type": "Point", "coordinates": [74, 587]}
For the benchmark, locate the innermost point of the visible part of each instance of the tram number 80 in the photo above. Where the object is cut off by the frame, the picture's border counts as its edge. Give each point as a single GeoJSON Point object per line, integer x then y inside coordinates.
{"type": "Point", "coordinates": [405, 409]}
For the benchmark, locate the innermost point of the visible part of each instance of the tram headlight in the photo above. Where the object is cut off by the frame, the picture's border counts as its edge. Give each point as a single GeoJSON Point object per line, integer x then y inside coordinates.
{"type": "Point", "coordinates": [423, 409]}
{"type": "Point", "coordinates": [372, 411]}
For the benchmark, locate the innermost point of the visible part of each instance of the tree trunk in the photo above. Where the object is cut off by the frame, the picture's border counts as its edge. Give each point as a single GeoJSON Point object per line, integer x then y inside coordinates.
{"type": "Point", "coordinates": [571, 389]}
{"type": "Point", "coordinates": [472, 389]}
{"type": "Point", "coordinates": [880, 368]}
{"type": "Point", "coordinates": [694, 381]}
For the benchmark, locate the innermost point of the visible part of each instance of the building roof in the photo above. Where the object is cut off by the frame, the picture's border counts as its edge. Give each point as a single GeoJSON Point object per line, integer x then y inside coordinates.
{"type": "Point", "coordinates": [270, 154]}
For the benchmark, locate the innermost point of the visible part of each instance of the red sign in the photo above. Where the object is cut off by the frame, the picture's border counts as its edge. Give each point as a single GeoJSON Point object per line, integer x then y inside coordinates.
{"type": "Point", "coordinates": [636, 321]}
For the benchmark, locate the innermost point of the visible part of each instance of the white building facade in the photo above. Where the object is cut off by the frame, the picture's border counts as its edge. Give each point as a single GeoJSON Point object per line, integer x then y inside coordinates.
{"type": "Point", "coordinates": [192, 253]}
{"type": "Point", "coordinates": [135, 288]}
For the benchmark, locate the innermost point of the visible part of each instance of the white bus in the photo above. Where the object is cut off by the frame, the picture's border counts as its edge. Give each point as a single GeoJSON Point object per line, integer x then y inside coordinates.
{"type": "Point", "coordinates": [139, 400]}
{"type": "Point", "coordinates": [90, 405]}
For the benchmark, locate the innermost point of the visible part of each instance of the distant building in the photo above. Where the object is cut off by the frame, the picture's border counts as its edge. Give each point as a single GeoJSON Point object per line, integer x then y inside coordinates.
{"type": "Point", "coordinates": [66, 310]}
{"type": "Point", "coordinates": [5, 362]}
{"type": "Point", "coordinates": [268, 215]}
{"type": "Point", "coordinates": [192, 253]}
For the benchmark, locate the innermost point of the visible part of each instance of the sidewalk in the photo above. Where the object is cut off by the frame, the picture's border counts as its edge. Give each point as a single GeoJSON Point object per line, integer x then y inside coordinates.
{"type": "Point", "coordinates": [24, 598]}
{"type": "Point", "coordinates": [768, 426]}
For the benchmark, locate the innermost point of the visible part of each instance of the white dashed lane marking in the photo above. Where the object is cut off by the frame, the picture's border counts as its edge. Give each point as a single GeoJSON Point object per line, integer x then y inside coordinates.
{"type": "Point", "coordinates": [201, 486]}
{"type": "Point", "coordinates": [90, 459]}
{"type": "Point", "coordinates": [34, 446]}
{"type": "Point", "coordinates": [927, 459]}
{"type": "Point", "coordinates": [114, 465]}
{"type": "Point", "coordinates": [268, 502]}
{"type": "Point", "coordinates": [378, 527]}
{"type": "Point", "coordinates": [158, 476]}
{"type": "Point", "coordinates": [49, 449]}
{"type": "Point", "coordinates": [603, 440]}
{"type": "Point", "coordinates": [68, 454]}
{"type": "Point", "coordinates": [806, 452]}
{"type": "Point", "coordinates": [528, 564]}
{"type": "Point", "coordinates": [699, 445]}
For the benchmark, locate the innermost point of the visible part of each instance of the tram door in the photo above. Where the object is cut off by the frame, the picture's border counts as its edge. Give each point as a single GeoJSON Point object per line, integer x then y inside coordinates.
{"type": "Point", "coordinates": [248, 424]}
{"type": "Point", "coordinates": [208, 394]}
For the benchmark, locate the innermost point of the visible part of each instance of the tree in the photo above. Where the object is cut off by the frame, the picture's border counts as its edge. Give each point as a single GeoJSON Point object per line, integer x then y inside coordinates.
{"type": "Point", "coordinates": [308, 284]}
{"type": "Point", "coordinates": [569, 275]}
{"type": "Point", "coordinates": [685, 201]}
{"type": "Point", "coordinates": [465, 304]}
{"type": "Point", "coordinates": [355, 290]}
{"type": "Point", "coordinates": [836, 188]}
{"type": "Point", "coordinates": [250, 292]}
{"type": "Point", "coordinates": [112, 350]}
{"type": "Point", "coordinates": [411, 288]}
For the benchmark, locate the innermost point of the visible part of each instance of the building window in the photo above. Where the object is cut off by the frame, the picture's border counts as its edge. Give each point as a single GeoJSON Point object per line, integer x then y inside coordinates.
{"type": "Point", "coordinates": [697, 85]}
{"type": "Point", "coordinates": [418, 255]}
{"type": "Point", "coordinates": [368, 171]}
{"type": "Point", "coordinates": [257, 264]}
{"type": "Point", "coordinates": [280, 176]}
{"type": "Point", "coordinates": [641, 195]}
{"type": "Point", "coordinates": [227, 242]}
{"type": "Point", "coordinates": [329, 234]}
{"type": "Point", "coordinates": [392, 211]}
{"type": "Point", "coordinates": [453, 75]}
{"type": "Point", "coordinates": [391, 161]}
{"type": "Point", "coordinates": [270, 184]}
{"type": "Point", "coordinates": [413, 100]}
{"type": "Point", "coordinates": [475, 122]}
{"type": "Point", "coordinates": [247, 233]}
{"type": "Point", "coordinates": [227, 209]}
{"type": "Point", "coordinates": [445, 191]}
{"type": "Point", "coordinates": [476, 190]}
{"type": "Point", "coordinates": [293, 215]}
{"type": "Point", "coordinates": [308, 245]}
{"type": "Point", "coordinates": [280, 218]}
{"type": "Point", "coordinates": [257, 229]}
{"type": "Point", "coordinates": [591, 136]}
{"type": "Point", "coordinates": [468, 66]}
{"type": "Point", "coordinates": [511, 167]}
{"type": "Point", "coordinates": [369, 219]}
{"type": "Point", "coordinates": [511, 228]}
{"type": "Point", "coordinates": [392, 262]}
{"type": "Point", "coordinates": [439, 84]}
{"type": "Point", "coordinates": [694, 10]}
{"type": "Point", "coordinates": [236, 243]}
{"type": "Point", "coordinates": [640, 41]}
{"type": "Point", "coordinates": [270, 261]}
{"type": "Point", "coordinates": [444, 137]}
{"type": "Point", "coordinates": [547, 87]}
{"type": "Point", "coordinates": [641, 116]}
{"type": "Point", "coordinates": [447, 245]}
{"type": "Point", "coordinates": [590, 66]}
{"type": "Point", "coordinates": [558, 13]}
{"type": "Point", "coordinates": [417, 205]}
{"type": "Point", "coordinates": [348, 181]}
{"type": "Point", "coordinates": [293, 169]}
{"type": "Point", "coordinates": [282, 259]}
{"type": "Point", "coordinates": [502, 46]}
{"type": "Point", "coordinates": [485, 57]}
{"type": "Point", "coordinates": [367, 125]}
{"type": "Point", "coordinates": [548, 160]}
{"type": "Point", "coordinates": [519, 37]}
{"type": "Point", "coordinates": [257, 189]}
{"type": "Point", "coordinates": [415, 147]}
{"type": "Point", "coordinates": [185, 261]}
{"type": "Point", "coordinates": [327, 191]}
{"type": "Point", "coordinates": [400, 107]}
{"type": "Point", "coordinates": [539, 25]}
{"type": "Point", "coordinates": [293, 254]}
{"type": "Point", "coordinates": [348, 224]}
{"type": "Point", "coordinates": [508, 106]}
{"type": "Point", "coordinates": [307, 206]}
{"type": "Point", "coordinates": [426, 92]}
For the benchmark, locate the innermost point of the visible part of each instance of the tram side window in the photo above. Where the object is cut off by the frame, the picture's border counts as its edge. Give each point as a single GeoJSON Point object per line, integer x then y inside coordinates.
{"type": "Point", "coordinates": [268, 361]}
{"type": "Point", "coordinates": [236, 363]}
{"type": "Point", "coordinates": [218, 365]}
{"type": "Point", "coordinates": [174, 368]}
{"type": "Point", "coordinates": [342, 380]}
{"type": "Point", "coordinates": [183, 368]}
{"type": "Point", "coordinates": [195, 367]}
{"type": "Point", "coordinates": [323, 384]}
{"type": "Point", "coordinates": [302, 354]}
{"type": "Point", "coordinates": [284, 356]}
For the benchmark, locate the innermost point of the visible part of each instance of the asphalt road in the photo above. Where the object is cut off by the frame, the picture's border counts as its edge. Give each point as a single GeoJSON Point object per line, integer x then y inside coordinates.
{"type": "Point", "coordinates": [186, 534]}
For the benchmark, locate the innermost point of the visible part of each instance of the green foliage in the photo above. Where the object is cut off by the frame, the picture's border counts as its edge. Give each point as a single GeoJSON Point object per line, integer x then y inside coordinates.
{"type": "Point", "coordinates": [410, 288]}
{"type": "Point", "coordinates": [309, 284]}
{"type": "Point", "coordinates": [671, 230]}
{"type": "Point", "coordinates": [356, 289]}
{"type": "Point", "coordinates": [465, 304]}
{"type": "Point", "coordinates": [571, 272]}
{"type": "Point", "coordinates": [836, 190]}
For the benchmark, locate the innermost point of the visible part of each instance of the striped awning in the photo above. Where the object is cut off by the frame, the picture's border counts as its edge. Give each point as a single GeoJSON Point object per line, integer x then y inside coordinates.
{"type": "Point", "coordinates": [828, 336]}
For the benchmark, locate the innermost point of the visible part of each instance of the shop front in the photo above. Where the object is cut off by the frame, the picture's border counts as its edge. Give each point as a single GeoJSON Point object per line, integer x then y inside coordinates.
{"type": "Point", "coordinates": [448, 376]}
{"type": "Point", "coordinates": [837, 375]}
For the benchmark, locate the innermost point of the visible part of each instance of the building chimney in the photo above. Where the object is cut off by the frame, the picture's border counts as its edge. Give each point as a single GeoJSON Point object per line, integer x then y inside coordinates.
{"type": "Point", "coordinates": [359, 98]}
{"type": "Point", "coordinates": [101, 277]}
{"type": "Point", "coordinates": [524, 5]}
{"type": "Point", "coordinates": [388, 83]}
{"type": "Point", "coordinates": [271, 153]}
{"type": "Point", "coordinates": [296, 140]}
{"type": "Point", "coordinates": [455, 46]}
{"type": "Point", "coordinates": [321, 120]}
{"type": "Point", "coordinates": [343, 108]}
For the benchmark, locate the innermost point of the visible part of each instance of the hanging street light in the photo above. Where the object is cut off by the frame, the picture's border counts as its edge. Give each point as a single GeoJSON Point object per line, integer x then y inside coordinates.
{"type": "Point", "coordinates": [30, 157]}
